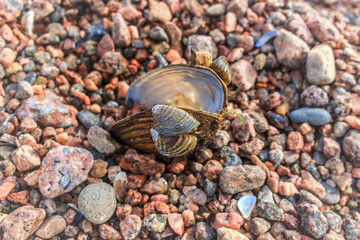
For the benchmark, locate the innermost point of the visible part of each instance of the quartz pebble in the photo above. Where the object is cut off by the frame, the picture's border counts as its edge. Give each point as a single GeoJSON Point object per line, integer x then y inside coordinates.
{"type": "Point", "coordinates": [246, 204]}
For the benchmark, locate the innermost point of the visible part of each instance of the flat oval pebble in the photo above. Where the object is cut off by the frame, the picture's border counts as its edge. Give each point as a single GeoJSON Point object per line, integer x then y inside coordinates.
{"type": "Point", "coordinates": [313, 116]}
{"type": "Point", "coordinates": [130, 227]}
{"type": "Point", "coordinates": [246, 204]}
{"type": "Point", "coordinates": [97, 202]}
{"type": "Point", "coordinates": [52, 226]}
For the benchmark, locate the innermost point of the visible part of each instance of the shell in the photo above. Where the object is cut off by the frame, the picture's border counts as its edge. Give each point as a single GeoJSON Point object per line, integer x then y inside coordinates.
{"type": "Point", "coordinates": [172, 121]}
{"type": "Point", "coordinates": [200, 57]}
{"type": "Point", "coordinates": [180, 86]}
{"type": "Point", "coordinates": [222, 68]}
{"type": "Point", "coordinates": [173, 146]}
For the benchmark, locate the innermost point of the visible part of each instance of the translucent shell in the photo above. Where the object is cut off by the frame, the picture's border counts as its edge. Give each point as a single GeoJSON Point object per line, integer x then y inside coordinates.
{"type": "Point", "coordinates": [222, 68]}
{"type": "Point", "coordinates": [200, 57]}
{"type": "Point", "coordinates": [173, 146]}
{"type": "Point", "coordinates": [192, 87]}
{"type": "Point", "coordinates": [173, 121]}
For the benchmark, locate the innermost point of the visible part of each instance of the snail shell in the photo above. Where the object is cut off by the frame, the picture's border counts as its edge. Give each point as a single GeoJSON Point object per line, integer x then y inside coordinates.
{"type": "Point", "coordinates": [173, 146]}
{"type": "Point", "coordinates": [222, 68]}
{"type": "Point", "coordinates": [173, 121]}
{"type": "Point", "coordinates": [200, 57]}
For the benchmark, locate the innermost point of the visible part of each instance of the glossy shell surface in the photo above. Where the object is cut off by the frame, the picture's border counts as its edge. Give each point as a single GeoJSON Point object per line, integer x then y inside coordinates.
{"type": "Point", "coordinates": [179, 86]}
{"type": "Point", "coordinates": [172, 121]}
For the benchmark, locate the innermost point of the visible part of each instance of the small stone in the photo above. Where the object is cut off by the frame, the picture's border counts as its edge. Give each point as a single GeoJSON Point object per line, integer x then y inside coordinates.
{"type": "Point", "coordinates": [7, 57]}
{"type": "Point", "coordinates": [52, 226]}
{"type": "Point", "coordinates": [7, 168]}
{"type": "Point", "coordinates": [224, 233]}
{"type": "Point", "coordinates": [120, 32]}
{"type": "Point", "coordinates": [333, 236]}
{"type": "Point", "coordinates": [21, 197]}
{"type": "Point", "coordinates": [159, 11]}
{"type": "Point", "coordinates": [112, 63]}
{"type": "Point", "coordinates": [314, 96]}
{"type": "Point", "coordinates": [291, 50]}
{"type": "Point", "coordinates": [47, 109]}
{"type": "Point", "coordinates": [351, 146]}
{"type": "Point", "coordinates": [276, 156]}
{"type": "Point", "coordinates": [296, 24]}
{"type": "Point", "coordinates": [313, 221]}
{"type": "Point", "coordinates": [334, 220]}
{"type": "Point", "coordinates": [155, 186]}
{"type": "Point", "coordinates": [245, 42]}
{"type": "Point", "coordinates": [351, 229]}
{"type": "Point", "coordinates": [202, 42]}
{"type": "Point", "coordinates": [266, 206]}
{"type": "Point", "coordinates": [259, 226]}
{"type": "Point", "coordinates": [310, 183]}
{"type": "Point", "coordinates": [313, 116]}
{"type": "Point", "coordinates": [106, 44]}
{"type": "Point", "coordinates": [230, 23]}
{"type": "Point", "coordinates": [155, 222]}
{"type": "Point", "coordinates": [215, 10]}
{"type": "Point", "coordinates": [194, 7]}
{"type": "Point", "coordinates": [217, 35]}
{"type": "Point", "coordinates": [108, 232]}
{"type": "Point", "coordinates": [234, 179]}
{"type": "Point", "coordinates": [229, 220]}
{"type": "Point", "coordinates": [203, 231]}
{"type": "Point", "coordinates": [158, 34]}
{"type": "Point", "coordinates": [42, 9]}
{"type": "Point", "coordinates": [322, 29]}
{"type": "Point", "coordinates": [130, 227]}
{"type": "Point", "coordinates": [295, 141]}
{"type": "Point", "coordinates": [239, 7]}
{"type": "Point", "coordinates": [246, 205]}
{"type": "Point", "coordinates": [176, 223]}
{"type": "Point", "coordinates": [24, 90]}
{"type": "Point", "coordinates": [25, 158]}
{"type": "Point", "coordinates": [320, 65]}
{"type": "Point", "coordinates": [88, 119]}
{"type": "Point", "coordinates": [195, 194]}
{"type": "Point", "coordinates": [120, 186]}
{"type": "Point", "coordinates": [243, 74]}
{"type": "Point", "coordinates": [99, 168]}
{"type": "Point", "coordinates": [340, 129]}
{"type": "Point", "coordinates": [306, 196]}
{"type": "Point", "coordinates": [22, 223]}
{"type": "Point", "coordinates": [332, 194]}
{"type": "Point", "coordinates": [343, 180]}
{"type": "Point", "coordinates": [101, 140]}
{"type": "Point", "coordinates": [64, 168]}
{"type": "Point", "coordinates": [101, 195]}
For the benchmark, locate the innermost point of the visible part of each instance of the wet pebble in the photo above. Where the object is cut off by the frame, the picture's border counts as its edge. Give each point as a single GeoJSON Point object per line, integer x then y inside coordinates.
{"type": "Point", "coordinates": [313, 116]}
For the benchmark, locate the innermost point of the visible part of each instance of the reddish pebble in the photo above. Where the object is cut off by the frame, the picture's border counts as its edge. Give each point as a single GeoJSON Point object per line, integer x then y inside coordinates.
{"type": "Point", "coordinates": [5, 189]}
{"type": "Point", "coordinates": [229, 220]}
{"type": "Point", "coordinates": [176, 223]}
{"type": "Point", "coordinates": [7, 56]}
{"type": "Point", "coordinates": [108, 232]}
{"type": "Point", "coordinates": [295, 141]}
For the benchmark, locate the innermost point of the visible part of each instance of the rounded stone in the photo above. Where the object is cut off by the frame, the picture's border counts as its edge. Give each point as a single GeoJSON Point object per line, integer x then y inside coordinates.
{"type": "Point", "coordinates": [320, 65]}
{"type": "Point", "coordinates": [97, 202]}
{"type": "Point", "coordinates": [351, 146]}
{"type": "Point", "coordinates": [313, 116]}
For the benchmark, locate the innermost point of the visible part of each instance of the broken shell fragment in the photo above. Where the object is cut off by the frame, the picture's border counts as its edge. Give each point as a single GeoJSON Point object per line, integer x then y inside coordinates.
{"type": "Point", "coordinates": [173, 146]}
{"type": "Point", "coordinates": [171, 121]}
{"type": "Point", "coordinates": [200, 57]}
{"type": "Point", "coordinates": [222, 68]}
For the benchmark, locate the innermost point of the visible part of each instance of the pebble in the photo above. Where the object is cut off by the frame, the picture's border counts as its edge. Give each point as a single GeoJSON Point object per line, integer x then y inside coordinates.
{"type": "Point", "coordinates": [224, 233]}
{"type": "Point", "coordinates": [202, 42]}
{"type": "Point", "coordinates": [25, 158]}
{"type": "Point", "coordinates": [203, 231]}
{"type": "Point", "coordinates": [334, 220]}
{"type": "Point", "coordinates": [88, 119]}
{"type": "Point", "coordinates": [112, 62]}
{"type": "Point", "coordinates": [101, 195]}
{"type": "Point", "coordinates": [24, 90]}
{"type": "Point", "coordinates": [239, 7]}
{"type": "Point", "coordinates": [314, 96]}
{"type": "Point", "coordinates": [47, 109]}
{"type": "Point", "coordinates": [313, 116]}
{"type": "Point", "coordinates": [120, 32]}
{"type": "Point", "coordinates": [195, 194]}
{"type": "Point", "coordinates": [351, 229]}
{"type": "Point", "coordinates": [120, 186]}
{"type": "Point", "coordinates": [320, 65]}
{"type": "Point", "coordinates": [215, 10]}
{"type": "Point", "coordinates": [158, 34]}
{"type": "Point", "coordinates": [7, 57]}
{"type": "Point", "coordinates": [22, 222]}
{"type": "Point", "coordinates": [101, 140]}
{"type": "Point", "coordinates": [259, 226]}
{"type": "Point", "coordinates": [64, 168]}
{"type": "Point", "coordinates": [159, 11]}
{"type": "Point", "coordinates": [266, 206]}
{"type": "Point", "coordinates": [312, 220]}
{"type": "Point", "coordinates": [276, 156]}
{"type": "Point", "coordinates": [229, 220]}
{"type": "Point", "coordinates": [52, 226]}
{"type": "Point", "coordinates": [351, 146]}
{"type": "Point", "coordinates": [243, 74]}
{"type": "Point", "coordinates": [230, 22]}
{"type": "Point", "coordinates": [108, 232]}
{"type": "Point", "coordinates": [296, 24]}
{"type": "Point", "coordinates": [155, 222]}
{"type": "Point", "coordinates": [322, 29]}
{"type": "Point", "coordinates": [130, 227]}
{"type": "Point", "coordinates": [246, 205]}
{"type": "Point", "coordinates": [332, 194]}
{"type": "Point", "coordinates": [194, 7]}
{"type": "Point", "coordinates": [291, 50]}
{"type": "Point", "coordinates": [234, 179]}
{"type": "Point", "coordinates": [176, 223]}
{"type": "Point", "coordinates": [155, 186]}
